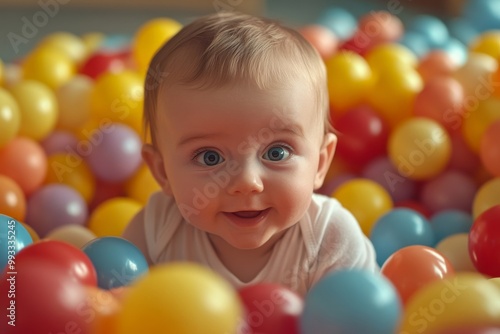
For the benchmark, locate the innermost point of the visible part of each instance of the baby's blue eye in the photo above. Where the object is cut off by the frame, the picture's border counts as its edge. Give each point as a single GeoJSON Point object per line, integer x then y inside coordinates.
{"type": "Point", "coordinates": [277, 153]}
{"type": "Point", "coordinates": [209, 158]}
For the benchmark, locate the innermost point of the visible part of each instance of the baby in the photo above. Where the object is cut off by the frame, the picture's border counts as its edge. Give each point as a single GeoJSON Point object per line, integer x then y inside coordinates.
{"type": "Point", "coordinates": [237, 109]}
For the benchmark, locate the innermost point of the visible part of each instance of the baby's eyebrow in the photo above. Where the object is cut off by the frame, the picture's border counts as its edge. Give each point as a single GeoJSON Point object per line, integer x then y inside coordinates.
{"type": "Point", "coordinates": [187, 139]}
{"type": "Point", "coordinates": [293, 129]}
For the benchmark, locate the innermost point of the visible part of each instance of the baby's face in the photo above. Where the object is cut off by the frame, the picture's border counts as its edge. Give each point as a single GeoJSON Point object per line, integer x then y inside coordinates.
{"type": "Point", "coordinates": [241, 162]}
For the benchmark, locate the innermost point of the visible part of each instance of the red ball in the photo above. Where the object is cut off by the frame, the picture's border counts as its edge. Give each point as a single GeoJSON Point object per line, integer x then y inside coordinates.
{"type": "Point", "coordinates": [414, 205]}
{"type": "Point", "coordinates": [100, 63]}
{"type": "Point", "coordinates": [271, 309]}
{"type": "Point", "coordinates": [484, 242]}
{"type": "Point", "coordinates": [362, 136]}
{"type": "Point", "coordinates": [71, 260]}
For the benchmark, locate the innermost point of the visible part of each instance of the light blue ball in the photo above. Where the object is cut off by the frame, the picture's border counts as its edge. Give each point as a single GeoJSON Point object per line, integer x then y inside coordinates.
{"type": "Point", "coordinates": [13, 238]}
{"type": "Point", "coordinates": [431, 28]}
{"type": "Point", "coordinates": [351, 302]}
{"type": "Point", "coordinates": [456, 50]}
{"type": "Point", "coordinates": [338, 20]}
{"type": "Point", "coordinates": [449, 222]}
{"type": "Point", "coordinates": [399, 228]}
{"type": "Point", "coordinates": [462, 30]}
{"type": "Point", "coordinates": [117, 261]}
{"type": "Point", "coordinates": [416, 43]}
{"type": "Point", "coordinates": [483, 14]}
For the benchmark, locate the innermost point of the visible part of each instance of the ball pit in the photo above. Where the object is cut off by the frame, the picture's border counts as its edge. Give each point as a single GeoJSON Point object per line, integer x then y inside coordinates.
{"type": "Point", "coordinates": [416, 104]}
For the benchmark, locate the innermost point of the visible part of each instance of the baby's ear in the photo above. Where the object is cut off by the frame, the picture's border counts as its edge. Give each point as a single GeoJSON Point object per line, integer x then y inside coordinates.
{"type": "Point", "coordinates": [154, 160]}
{"type": "Point", "coordinates": [326, 154]}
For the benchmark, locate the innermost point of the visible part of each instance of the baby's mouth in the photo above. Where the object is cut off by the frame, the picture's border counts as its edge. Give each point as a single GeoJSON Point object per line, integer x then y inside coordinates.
{"type": "Point", "coordinates": [247, 214]}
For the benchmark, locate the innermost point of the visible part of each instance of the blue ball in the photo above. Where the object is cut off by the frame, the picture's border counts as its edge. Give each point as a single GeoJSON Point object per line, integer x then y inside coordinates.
{"type": "Point", "coordinates": [483, 14]}
{"type": "Point", "coordinates": [349, 302]}
{"type": "Point", "coordinates": [449, 222]}
{"type": "Point", "coordinates": [13, 238]}
{"type": "Point", "coordinates": [431, 28]}
{"type": "Point", "coordinates": [456, 50]}
{"type": "Point", "coordinates": [117, 261]}
{"type": "Point", "coordinates": [338, 20]}
{"type": "Point", "coordinates": [399, 228]}
{"type": "Point", "coordinates": [462, 30]}
{"type": "Point", "coordinates": [415, 42]}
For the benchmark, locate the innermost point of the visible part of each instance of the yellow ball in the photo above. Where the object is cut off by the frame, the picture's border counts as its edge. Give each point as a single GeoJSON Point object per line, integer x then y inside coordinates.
{"type": "Point", "coordinates": [487, 43]}
{"type": "Point", "coordinates": [50, 66]}
{"type": "Point", "coordinates": [38, 106]}
{"type": "Point", "coordinates": [141, 185]}
{"type": "Point", "coordinates": [488, 195]}
{"type": "Point", "coordinates": [394, 91]}
{"type": "Point", "coordinates": [150, 37]}
{"type": "Point", "coordinates": [466, 299]}
{"type": "Point", "coordinates": [74, 234]}
{"type": "Point", "coordinates": [476, 121]}
{"type": "Point", "coordinates": [73, 171]}
{"type": "Point", "coordinates": [112, 216]}
{"type": "Point", "coordinates": [386, 55]}
{"type": "Point", "coordinates": [1, 72]}
{"type": "Point", "coordinates": [456, 249]}
{"type": "Point", "coordinates": [10, 117]}
{"type": "Point", "coordinates": [365, 199]}
{"type": "Point", "coordinates": [68, 43]}
{"type": "Point", "coordinates": [180, 298]}
{"type": "Point", "coordinates": [74, 102]}
{"type": "Point", "coordinates": [92, 41]}
{"type": "Point", "coordinates": [118, 97]}
{"type": "Point", "coordinates": [349, 78]}
{"type": "Point", "coordinates": [420, 148]}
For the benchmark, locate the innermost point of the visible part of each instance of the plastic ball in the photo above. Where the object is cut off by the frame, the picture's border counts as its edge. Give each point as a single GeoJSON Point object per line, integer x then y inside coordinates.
{"type": "Point", "coordinates": [458, 301]}
{"type": "Point", "coordinates": [382, 56]}
{"type": "Point", "coordinates": [483, 242]}
{"type": "Point", "coordinates": [55, 205]}
{"type": "Point", "coordinates": [150, 37]}
{"type": "Point", "coordinates": [101, 309]}
{"type": "Point", "coordinates": [482, 14]}
{"type": "Point", "coordinates": [462, 157]}
{"type": "Point", "coordinates": [103, 62]}
{"type": "Point", "coordinates": [48, 65]}
{"type": "Point", "coordinates": [349, 79]}
{"type": "Point", "coordinates": [382, 171]}
{"type": "Point", "coordinates": [486, 197]}
{"type": "Point", "coordinates": [436, 63]}
{"type": "Point", "coordinates": [487, 43]}
{"type": "Point", "coordinates": [415, 206]}
{"type": "Point", "coordinates": [1, 72]}
{"type": "Point", "coordinates": [488, 149]}
{"type": "Point", "coordinates": [183, 297]}
{"type": "Point", "coordinates": [397, 229]}
{"type": "Point", "coordinates": [456, 249]}
{"type": "Point", "coordinates": [73, 99]}
{"type": "Point", "coordinates": [339, 20]}
{"type": "Point", "coordinates": [111, 217]}
{"type": "Point", "coordinates": [456, 50]}
{"type": "Point", "coordinates": [462, 29]}
{"type": "Point", "coordinates": [12, 199]}
{"type": "Point", "coordinates": [69, 44]}
{"type": "Point", "coordinates": [34, 236]}
{"type": "Point", "coordinates": [38, 107]}
{"type": "Point", "coordinates": [73, 234]}
{"type": "Point", "coordinates": [478, 121]}
{"type": "Point", "coordinates": [447, 191]}
{"type": "Point", "coordinates": [433, 29]}
{"type": "Point", "coordinates": [475, 77]}
{"type": "Point", "coordinates": [338, 301]}
{"type": "Point", "coordinates": [47, 300]}
{"type": "Point", "coordinates": [141, 185]}
{"type": "Point", "coordinates": [365, 199]}
{"type": "Point", "coordinates": [411, 268]}
{"type": "Point", "coordinates": [118, 156]}
{"type": "Point", "coordinates": [450, 222]}
{"type": "Point", "coordinates": [105, 191]}
{"type": "Point", "coordinates": [470, 330]}
{"type": "Point", "coordinates": [73, 171]}
{"type": "Point", "coordinates": [10, 117]}
{"type": "Point", "coordinates": [420, 148]}
{"type": "Point", "coordinates": [72, 260]}
{"type": "Point", "coordinates": [394, 92]}
{"type": "Point", "coordinates": [330, 186]}
{"type": "Point", "coordinates": [59, 141]}
{"type": "Point", "coordinates": [441, 98]}
{"type": "Point", "coordinates": [271, 308]}
{"type": "Point", "coordinates": [25, 162]}
{"type": "Point", "coordinates": [13, 238]}
{"type": "Point", "coordinates": [118, 97]}
{"type": "Point", "coordinates": [321, 38]}
{"type": "Point", "coordinates": [415, 42]}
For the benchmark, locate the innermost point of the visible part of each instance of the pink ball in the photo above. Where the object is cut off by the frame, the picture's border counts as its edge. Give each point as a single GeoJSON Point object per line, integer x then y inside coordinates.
{"type": "Point", "coordinates": [449, 190]}
{"type": "Point", "coordinates": [321, 38]}
{"type": "Point", "coordinates": [59, 142]}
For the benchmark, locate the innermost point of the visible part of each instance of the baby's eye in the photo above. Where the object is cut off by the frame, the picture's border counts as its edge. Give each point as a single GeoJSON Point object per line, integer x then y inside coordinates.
{"type": "Point", "coordinates": [277, 153]}
{"type": "Point", "coordinates": [209, 158]}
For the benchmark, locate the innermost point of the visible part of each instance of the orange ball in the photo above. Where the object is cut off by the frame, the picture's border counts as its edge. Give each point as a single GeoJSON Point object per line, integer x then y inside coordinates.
{"type": "Point", "coordinates": [436, 63]}
{"type": "Point", "coordinates": [489, 151]}
{"type": "Point", "coordinates": [12, 199]}
{"type": "Point", "coordinates": [24, 161]}
{"type": "Point", "coordinates": [101, 310]}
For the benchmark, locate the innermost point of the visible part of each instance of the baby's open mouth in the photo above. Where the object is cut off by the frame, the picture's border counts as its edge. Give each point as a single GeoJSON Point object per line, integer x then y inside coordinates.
{"type": "Point", "coordinates": [247, 214]}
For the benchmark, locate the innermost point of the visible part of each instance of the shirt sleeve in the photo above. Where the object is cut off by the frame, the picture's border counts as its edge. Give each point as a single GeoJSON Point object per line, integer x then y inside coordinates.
{"type": "Point", "coordinates": [341, 243]}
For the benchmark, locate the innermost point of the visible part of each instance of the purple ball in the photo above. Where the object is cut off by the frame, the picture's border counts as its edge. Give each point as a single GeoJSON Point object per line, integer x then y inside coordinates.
{"type": "Point", "coordinates": [59, 142]}
{"type": "Point", "coordinates": [382, 171]}
{"type": "Point", "coordinates": [55, 205]}
{"type": "Point", "coordinates": [115, 154]}
{"type": "Point", "coordinates": [449, 190]}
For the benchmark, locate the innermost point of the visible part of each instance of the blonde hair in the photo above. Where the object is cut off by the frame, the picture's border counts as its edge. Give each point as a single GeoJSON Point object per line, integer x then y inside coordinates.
{"type": "Point", "coordinates": [228, 48]}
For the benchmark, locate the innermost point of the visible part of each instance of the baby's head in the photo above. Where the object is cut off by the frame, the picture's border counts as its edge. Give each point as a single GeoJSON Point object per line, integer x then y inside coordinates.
{"type": "Point", "coordinates": [227, 49]}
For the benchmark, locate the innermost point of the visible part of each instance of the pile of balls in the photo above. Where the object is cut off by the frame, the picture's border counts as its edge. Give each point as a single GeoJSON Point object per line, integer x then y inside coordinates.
{"type": "Point", "coordinates": [416, 107]}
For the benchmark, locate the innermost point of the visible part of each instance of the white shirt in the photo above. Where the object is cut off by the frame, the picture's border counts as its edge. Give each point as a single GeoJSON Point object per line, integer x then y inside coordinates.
{"type": "Point", "coordinates": [327, 238]}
